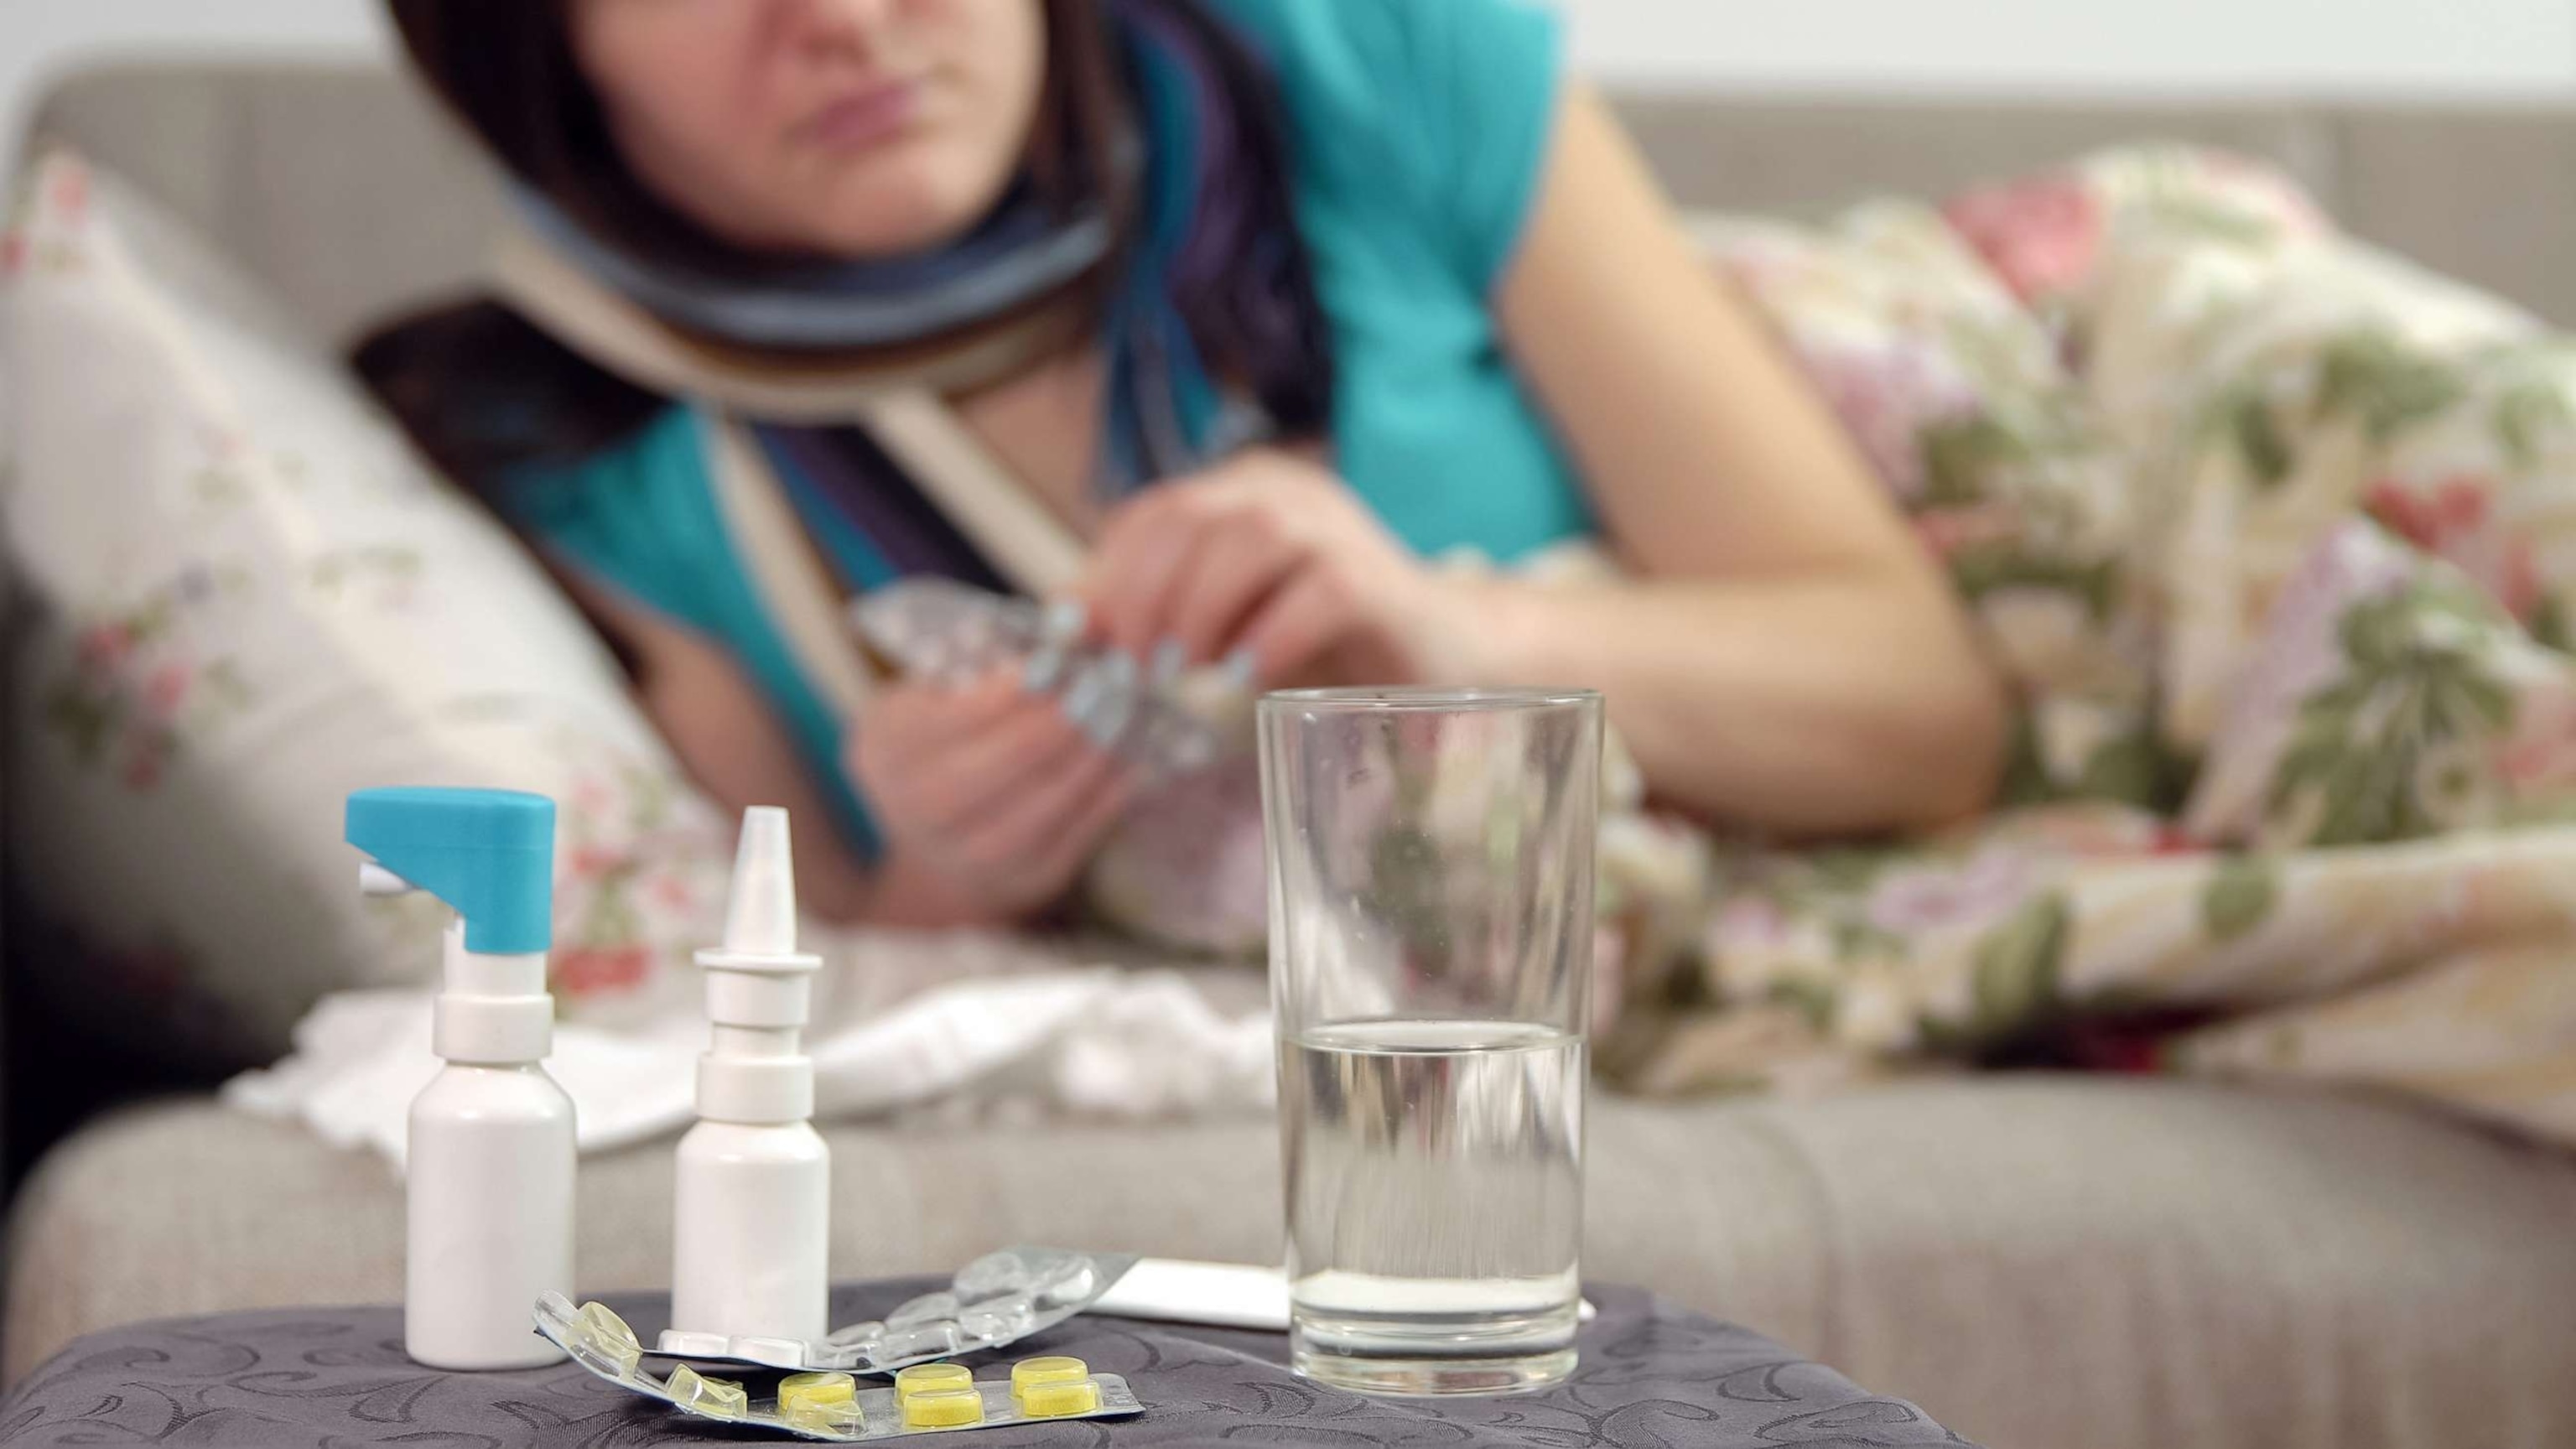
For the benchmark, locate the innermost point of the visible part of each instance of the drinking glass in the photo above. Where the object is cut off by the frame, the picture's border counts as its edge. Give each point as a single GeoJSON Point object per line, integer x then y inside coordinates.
{"type": "Point", "coordinates": [1430, 958]}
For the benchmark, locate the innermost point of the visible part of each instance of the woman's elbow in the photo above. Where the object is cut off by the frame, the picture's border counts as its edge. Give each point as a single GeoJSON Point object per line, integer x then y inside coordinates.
{"type": "Point", "coordinates": [1951, 736]}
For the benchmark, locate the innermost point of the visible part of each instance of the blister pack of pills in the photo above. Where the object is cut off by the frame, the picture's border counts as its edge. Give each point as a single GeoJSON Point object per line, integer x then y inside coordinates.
{"type": "Point", "coordinates": [1157, 713]}
{"type": "Point", "coordinates": [993, 1302]}
{"type": "Point", "coordinates": [830, 1405]}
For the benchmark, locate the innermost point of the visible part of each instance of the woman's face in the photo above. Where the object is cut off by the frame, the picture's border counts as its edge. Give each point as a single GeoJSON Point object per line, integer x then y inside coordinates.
{"type": "Point", "coordinates": [852, 128]}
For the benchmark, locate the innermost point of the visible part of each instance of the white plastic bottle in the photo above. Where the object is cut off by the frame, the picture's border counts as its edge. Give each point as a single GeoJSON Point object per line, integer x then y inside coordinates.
{"type": "Point", "coordinates": [489, 1151]}
{"type": "Point", "coordinates": [752, 1197]}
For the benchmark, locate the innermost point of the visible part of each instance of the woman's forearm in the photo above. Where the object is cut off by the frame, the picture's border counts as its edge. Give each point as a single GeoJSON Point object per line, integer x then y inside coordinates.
{"type": "Point", "coordinates": [1807, 705]}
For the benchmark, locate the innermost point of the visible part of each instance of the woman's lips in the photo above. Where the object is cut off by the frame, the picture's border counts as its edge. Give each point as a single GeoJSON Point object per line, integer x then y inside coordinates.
{"type": "Point", "coordinates": [866, 118]}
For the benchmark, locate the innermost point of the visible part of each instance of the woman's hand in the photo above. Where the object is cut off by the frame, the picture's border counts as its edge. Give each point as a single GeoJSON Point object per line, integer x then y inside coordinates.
{"type": "Point", "coordinates": [1269, 564]}
{"type": "Point", "coordinates": [991, 791]}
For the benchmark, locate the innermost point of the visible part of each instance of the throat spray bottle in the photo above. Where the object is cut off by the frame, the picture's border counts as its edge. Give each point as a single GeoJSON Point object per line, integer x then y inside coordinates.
{"type": "Point", "coordinates": [752, 1194]}
{"type": "Point", "coordinates": [489, 1146]}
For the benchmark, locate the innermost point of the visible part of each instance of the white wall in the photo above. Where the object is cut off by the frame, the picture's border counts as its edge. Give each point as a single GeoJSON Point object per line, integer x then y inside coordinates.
{"type": "Point", "coordinates": [2333, 46]}
{"type": "Point", "coordinates": [2367, 46]}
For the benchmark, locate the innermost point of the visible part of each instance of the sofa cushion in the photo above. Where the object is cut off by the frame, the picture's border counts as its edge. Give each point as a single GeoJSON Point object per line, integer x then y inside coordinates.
{"type": "Point", "coordinates": [240, 597]}
{"type": "Point", "coordinates": [2037, 1261]}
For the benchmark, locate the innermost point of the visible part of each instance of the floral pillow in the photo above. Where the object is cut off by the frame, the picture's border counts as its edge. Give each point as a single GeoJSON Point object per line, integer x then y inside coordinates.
{"type": "Point", "coordinates": [241, 598]}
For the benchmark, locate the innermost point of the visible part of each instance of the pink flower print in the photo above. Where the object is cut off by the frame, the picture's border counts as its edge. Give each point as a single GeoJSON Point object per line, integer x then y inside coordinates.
{"type": "Point", "coordinates": [13, 252]}
{"type": "Point", "coordinates": [167, 689]}
{"type": "Point", "coordinates": [70, 197]}
{"type": "Point", "coordinates": [2300, 652]}
{"type": "Point", "coordinates": [2454, 520]}
{"type": "Point", "coordinates": [2040, 236]}
{"type": "Point", "coordinates": [2423, 521]}
{"type": "Point", "coordinates": [2350, 563]}
{"type": "Point", "coordinates": [2517, 585]}
{"type": "Point", "coordinates": [2541, 751]}
{"type": "Point", "coordinates": [592, 799]}
{"type": "Point", "coordinates": [590, 862]}
{"type": "Point", "coordinates": [1946, 533]}
{"type": "Point", "coordinates": [594, 970]}
{"type": "Point", "coordinates": [1988, 887]}
{"type": "Point", "coordinates": [672, 893]}
{"type": "Point", "coordinates": [1885, 396]}
{"type": "Point", "coordinates": [105, 646]}
{"type": "Point", "coordinates": [143, 765]}
{"type": "Point", "coordinates": [1752, 921]}
{"type": "Point", "coordinates": [2175, 839]}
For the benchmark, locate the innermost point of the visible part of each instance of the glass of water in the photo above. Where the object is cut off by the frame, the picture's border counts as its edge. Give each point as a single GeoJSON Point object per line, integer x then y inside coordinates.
{"type": "Point", "coordinates": [1430, 963]}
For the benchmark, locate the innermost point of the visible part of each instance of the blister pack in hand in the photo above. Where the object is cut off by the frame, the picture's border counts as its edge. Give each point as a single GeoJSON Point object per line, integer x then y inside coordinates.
{"type": "Point", "coordinates": [950, 633]}
{"type": "Point", "coordinates": [944, 632]}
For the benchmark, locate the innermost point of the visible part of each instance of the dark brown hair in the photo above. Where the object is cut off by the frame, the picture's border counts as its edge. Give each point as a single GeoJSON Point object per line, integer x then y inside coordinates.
{"type": "Point", "coordinates": [481, 389]}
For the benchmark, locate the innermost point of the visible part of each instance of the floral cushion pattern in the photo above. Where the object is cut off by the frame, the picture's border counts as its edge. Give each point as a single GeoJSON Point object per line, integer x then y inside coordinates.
{"type": "Point", "coordinates": [240, 597]}
{"type": "Point", "coordinates": [2273, 534]}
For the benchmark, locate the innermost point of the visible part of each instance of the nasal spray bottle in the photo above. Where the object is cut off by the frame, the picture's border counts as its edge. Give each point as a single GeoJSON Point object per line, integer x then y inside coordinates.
{"type": "Point", "coordinates": [489, 1154]}
{"type": "Point", "coordinates": [752, 1199]}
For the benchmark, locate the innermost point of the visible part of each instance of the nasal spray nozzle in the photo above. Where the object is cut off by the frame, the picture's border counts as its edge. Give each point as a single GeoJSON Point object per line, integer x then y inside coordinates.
{"type": "Point", "coordinates": [752, 1192]}
{"type": "Point", "coordinates": [759, 988]}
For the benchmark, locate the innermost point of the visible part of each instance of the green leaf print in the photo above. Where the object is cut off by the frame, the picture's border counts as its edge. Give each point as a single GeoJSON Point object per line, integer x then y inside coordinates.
{"type": "Point", "coordinates": [2216, 221]}
{"type": "Point", "coordinates": [2026, 777]}
{"type": "Point", "coordinates": [2243, 414]}
{"type": "Point", "coordinates": [87, 719]}
{"type": "Point", "coordinates": [1855, 939]}
{"type": "Point", "coordinates": [2241, 894]}
{"type": "Point", "coordinates": [2407, 690]}
{"type": "Point", "coordinates": [220, 682]}
{"type": "Point", "coordinates": [2133, 768]}
{"type": "Point", "coordinates": [2526, 414]}
{"type": "Point", "coordinates": [1848, 867]}
{"type": "Point", "coordinates": [1814, 999]}
{"type": "Point", "coordinates": [2018, 967]}
{"type": "Point", "coordinates": [2390, 386]}
{"type": "Point", "coordinates": [2549, 625]}
{"type": "Point", "coordinates": [1982, 569]}
{"type": "Point", "coordinates": [649, 795]}
{"type": "Point", "coordinates": [1960, 454]}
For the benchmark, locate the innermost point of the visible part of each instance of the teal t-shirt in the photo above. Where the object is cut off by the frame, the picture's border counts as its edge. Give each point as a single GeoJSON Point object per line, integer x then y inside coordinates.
{"type": "Point", "coordinates": [1420, 131]}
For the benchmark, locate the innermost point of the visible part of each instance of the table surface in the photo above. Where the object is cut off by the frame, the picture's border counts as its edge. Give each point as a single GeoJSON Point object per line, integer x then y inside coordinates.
{"type": "Point", "coordinates": [1653, 1376]}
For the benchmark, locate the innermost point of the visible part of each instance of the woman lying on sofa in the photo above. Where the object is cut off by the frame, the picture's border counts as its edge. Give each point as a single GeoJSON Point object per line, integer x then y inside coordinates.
{"type": "Point", "coordinates": [1266, 302]}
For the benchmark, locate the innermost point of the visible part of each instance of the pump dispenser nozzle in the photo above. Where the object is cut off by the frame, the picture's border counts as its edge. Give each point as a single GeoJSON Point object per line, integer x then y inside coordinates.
{"type": "Point", "coordinates": [488, 1144]}
{"type": "Point", "coordinates": [489, 854]}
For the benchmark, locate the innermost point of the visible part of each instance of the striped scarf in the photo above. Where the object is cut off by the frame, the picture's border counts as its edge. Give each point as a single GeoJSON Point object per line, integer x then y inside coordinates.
{"type": "Point", "coordinates": [1211, 266]}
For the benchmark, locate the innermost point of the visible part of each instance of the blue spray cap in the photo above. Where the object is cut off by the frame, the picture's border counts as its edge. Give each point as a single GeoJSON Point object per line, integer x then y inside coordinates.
{"type": "Point", "coordinates": [488, 853]}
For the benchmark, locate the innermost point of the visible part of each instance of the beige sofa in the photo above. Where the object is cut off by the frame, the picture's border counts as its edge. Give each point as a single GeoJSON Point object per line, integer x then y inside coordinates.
{"type": "Point", "coordinates": [2041, 1262]}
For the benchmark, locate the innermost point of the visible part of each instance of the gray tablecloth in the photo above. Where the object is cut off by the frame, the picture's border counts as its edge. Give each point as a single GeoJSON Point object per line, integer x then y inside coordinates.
{"type": "Point", "coordinates": [1653, 1377]}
